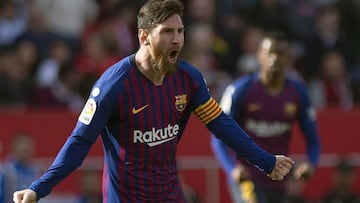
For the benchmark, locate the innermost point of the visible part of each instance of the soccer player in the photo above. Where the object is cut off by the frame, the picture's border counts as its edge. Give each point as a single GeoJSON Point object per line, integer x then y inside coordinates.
{"type": "Point", "coordinates": [140, 107]}
{"type": "Point", "coordinates": [267, 104]}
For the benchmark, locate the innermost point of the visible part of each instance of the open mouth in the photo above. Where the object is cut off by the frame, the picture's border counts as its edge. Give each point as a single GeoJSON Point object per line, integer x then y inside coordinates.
{"type": "Point", "coordinates": [173, 56]}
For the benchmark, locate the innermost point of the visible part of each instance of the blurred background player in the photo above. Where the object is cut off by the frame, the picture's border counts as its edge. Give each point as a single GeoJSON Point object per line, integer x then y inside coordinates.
{"type": "Point", "coordinates": [18, 169]}
{"type": "Point", "coordinates": [267, 104]}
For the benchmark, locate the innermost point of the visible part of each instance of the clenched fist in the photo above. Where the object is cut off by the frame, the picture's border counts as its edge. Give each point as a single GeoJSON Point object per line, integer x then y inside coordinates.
{"type": "Point", "coordinates": [282, 167]}
{"type": "Point", "coordinates": [303, 171]}
{"type": "Point", "coordinates": [24, 196]}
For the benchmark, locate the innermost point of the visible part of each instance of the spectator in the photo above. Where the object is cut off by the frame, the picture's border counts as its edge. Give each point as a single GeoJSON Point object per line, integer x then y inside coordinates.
{"type": "Point", "coordinates": [28, 55]}
{"type": "Point", "coordinates": [199, 51]}
{"type": "Point", "coordinates": [15, 80]}
{"type": "Point", "coordinates": [67, 19]}
{"type": "Point", "coordinates": [99, 52]}
{"type": "Point", "coordinates": [342, 190]}
{"type": "Point", "coordinates": [355, 81]}
{"type": "Point", "coordinates": [119, 22]}
{"type": "Point", "coordinates": [301, 17]}
{"type": "Point", "coordinates": [90, 187]}
{"type": "Point", "coordinates": [18, 169]}
{"type": "Point", "coordinates": [270, 15]}
{"type": "Point", "coordinates": [249, 42]}
{"type": "Point", "coordinates": [326, 36]}
{"type": "Point", "coordinates": [64, 91]}
{"type": "Point", "coordinates": [350, 15]}
{"type": "Point", "coordinates": [13, 17]}
{"type": "Point", "coordinates": [49, 68]}
{"type": "Point", "coordinates": [332, 88]}
{"type": "Point", "coordinates": [38, 31]}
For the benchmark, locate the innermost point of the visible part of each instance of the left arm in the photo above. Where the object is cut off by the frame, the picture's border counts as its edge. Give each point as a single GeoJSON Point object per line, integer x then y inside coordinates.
{"type": "Point", "coordinates": [227, 129]}
{"type": "Point", "coordinates": [308, 126]}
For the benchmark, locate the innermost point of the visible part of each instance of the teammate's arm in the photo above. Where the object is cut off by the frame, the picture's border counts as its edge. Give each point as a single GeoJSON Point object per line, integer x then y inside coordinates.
{"type": "Point", "coordinates": [308, 126]}
{"type": "Point", "coordinates": [231, 103]}
{"type": "Point", "coordinates": [223, 154]}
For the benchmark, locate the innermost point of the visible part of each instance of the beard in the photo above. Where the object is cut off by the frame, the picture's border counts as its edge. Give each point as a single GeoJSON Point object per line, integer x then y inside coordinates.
{"type": "Point", "coordinates": [275, 75]}
{"type": "Point", "coordinates": [160, 62]}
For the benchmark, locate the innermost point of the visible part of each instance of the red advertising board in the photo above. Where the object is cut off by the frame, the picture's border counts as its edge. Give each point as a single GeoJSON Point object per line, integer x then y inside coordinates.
{"type": "Point", "coordinates": [339, 132]}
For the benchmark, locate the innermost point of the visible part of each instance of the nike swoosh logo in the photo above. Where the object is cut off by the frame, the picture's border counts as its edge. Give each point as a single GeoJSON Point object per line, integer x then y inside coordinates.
{"type": "Point", "coordinates": [135, 111]}
{"type": "Point", "coordinates": [152, 144]}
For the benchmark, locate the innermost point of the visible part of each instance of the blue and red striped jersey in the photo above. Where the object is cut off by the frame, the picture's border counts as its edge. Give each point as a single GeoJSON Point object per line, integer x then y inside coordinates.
{"type": "Point", "coordinates": [269, 120]}
{"type": "Point", "coordinates": [140, 125]}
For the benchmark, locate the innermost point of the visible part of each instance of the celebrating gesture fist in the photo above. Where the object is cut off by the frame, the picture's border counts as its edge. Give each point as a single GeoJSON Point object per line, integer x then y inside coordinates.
{"type": "Point", "coordinates": [282, 167]}
{"type": "Point", "coordinates": [25, 196]}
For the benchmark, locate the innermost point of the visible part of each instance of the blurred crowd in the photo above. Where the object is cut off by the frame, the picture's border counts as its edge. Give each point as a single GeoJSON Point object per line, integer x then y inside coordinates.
{"type": "Point", "coordinates": [51, 52]}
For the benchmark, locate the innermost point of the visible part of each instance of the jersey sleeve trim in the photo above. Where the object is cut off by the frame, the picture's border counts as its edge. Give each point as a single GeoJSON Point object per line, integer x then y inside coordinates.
{"type": "Point", "coordinates": [208, 111]}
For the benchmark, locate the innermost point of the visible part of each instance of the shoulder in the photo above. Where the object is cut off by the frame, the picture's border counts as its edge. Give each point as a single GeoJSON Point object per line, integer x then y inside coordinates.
{"type": "Point", "coordinates": [244, 83]}
{"type": "Point", "coordinates": [116, 73]}
{"type": "Point", "coordinates": [238, 88]}
{"type": "Point", "coordinates": [297, 84]}
{"type": "Point", "coordinates": [246, 80]}
{"type": "Point", "coordinates": [118, 70]}
{"type": "Point", "coordinates": [111, 82]}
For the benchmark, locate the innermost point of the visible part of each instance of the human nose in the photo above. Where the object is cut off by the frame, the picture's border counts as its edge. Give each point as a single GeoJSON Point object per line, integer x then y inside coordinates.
{"type": "Point", "coordinates": [177, 38]}
{"type": "Point", "coordinates": [272, 58]}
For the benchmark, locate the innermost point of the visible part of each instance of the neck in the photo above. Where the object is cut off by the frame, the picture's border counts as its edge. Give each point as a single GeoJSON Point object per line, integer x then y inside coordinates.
{"type": "Point", "coordinates": [273, 85]}
{"type": "Point", "coordinates": [143, 63]}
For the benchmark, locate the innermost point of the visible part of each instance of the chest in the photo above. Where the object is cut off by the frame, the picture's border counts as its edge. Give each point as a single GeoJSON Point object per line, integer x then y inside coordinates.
{"type": "Point", "coordinates": [260, 105]}
{"type": "Point", "coordinates": [145, 106]}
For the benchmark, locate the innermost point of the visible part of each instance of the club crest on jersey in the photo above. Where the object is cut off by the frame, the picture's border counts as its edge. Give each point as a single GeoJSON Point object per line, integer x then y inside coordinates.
{"type": "Point", "coordinates": [252, 107]}
{"type": "Point", "coordinates": [180, 102]}
{"type": "Point", "coordinates": [290, 109]}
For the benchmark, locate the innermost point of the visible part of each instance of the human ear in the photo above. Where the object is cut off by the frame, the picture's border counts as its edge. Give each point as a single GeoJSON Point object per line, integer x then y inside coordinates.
{"type": "Point", "coordinates": [143, 37]}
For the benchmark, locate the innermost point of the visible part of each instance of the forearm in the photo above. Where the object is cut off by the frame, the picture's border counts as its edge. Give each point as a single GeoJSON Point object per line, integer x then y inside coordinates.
{"type": "Point", "coordinates": [312, 142]}
{"type": "Point", "coordinates": [68, 160]}
{"type": "Point", "coordinates": [226, 129]}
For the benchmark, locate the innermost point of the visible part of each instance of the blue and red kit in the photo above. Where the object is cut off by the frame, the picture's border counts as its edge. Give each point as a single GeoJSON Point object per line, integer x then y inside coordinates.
{"type": "Point", "coordinates": [269, 120]}
{"type": "Point", "coordinates": [140, 125]}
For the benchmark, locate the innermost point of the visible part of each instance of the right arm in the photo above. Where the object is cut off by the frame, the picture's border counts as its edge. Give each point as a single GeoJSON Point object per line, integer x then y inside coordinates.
{"type": "Point", "coordinates": [97, 111]}
{"type": "Point", "coordinates": [68, 160]}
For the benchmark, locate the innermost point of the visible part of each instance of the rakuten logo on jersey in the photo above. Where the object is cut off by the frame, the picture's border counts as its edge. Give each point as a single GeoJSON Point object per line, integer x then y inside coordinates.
{"type": "Point", "coordinates": [266, 128]}
{"type": "Point", "coordinates": [155, 136]}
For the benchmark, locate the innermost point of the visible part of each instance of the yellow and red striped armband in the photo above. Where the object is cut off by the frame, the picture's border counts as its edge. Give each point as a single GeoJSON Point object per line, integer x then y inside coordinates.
{"type": "Point", "coordinates": [208, 111]}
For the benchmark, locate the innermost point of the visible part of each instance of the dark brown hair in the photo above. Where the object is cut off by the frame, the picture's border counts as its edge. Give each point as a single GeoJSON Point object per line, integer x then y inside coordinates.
{"type": "Point", "coordinates": [157, 11]}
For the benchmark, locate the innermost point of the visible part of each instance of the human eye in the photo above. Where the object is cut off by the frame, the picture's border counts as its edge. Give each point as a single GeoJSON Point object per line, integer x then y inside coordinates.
{"type": "Point", "coordinates": [168, 30]}
{"type": "Point", "coordinates": [181, 30]}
